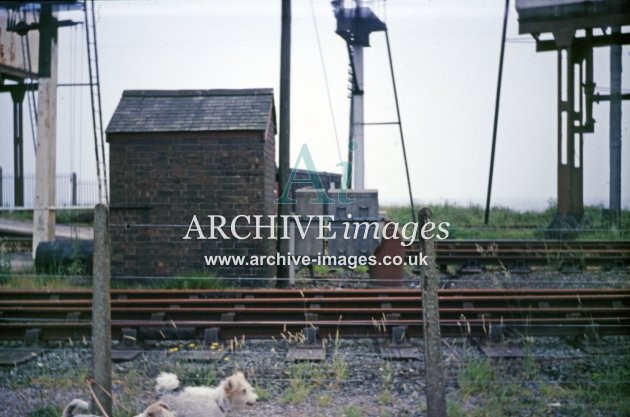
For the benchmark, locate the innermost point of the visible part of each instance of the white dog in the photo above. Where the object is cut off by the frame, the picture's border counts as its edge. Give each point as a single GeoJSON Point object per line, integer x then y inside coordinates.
{"type": "Point", "coordinates": [75, 406]}
{"type": "Point", "coordinates": [232, 393]}
{"type": "Point", "coordinates": [158, 409]}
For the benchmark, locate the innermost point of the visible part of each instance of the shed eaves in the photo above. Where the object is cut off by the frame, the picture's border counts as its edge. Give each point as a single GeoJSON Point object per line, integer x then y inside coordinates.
{"type": "Point", "coordinates": [193, 111]}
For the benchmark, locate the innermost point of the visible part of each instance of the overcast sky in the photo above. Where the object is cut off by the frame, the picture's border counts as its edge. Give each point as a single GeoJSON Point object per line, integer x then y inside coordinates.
{"type": "Point", "coordinates": [445, 57]}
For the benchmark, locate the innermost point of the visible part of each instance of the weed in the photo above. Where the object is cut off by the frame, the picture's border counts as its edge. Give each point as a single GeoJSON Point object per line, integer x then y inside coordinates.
{"type": "Point", "coordinates": [321, 270]}
{"type": "Point", "coordinates": [385, 398]}
{"type": "Point", "coordinates": [324, 400]}
{"type": "Point", "coordinates": [453, 409]}
{"type": "Point", "coordinates": [530, 367]}
{"type": "Point", "coordinates": [32, 281]}
{"type": "Point", "coordinates": [387, 374]}
{"type": "Point", "coordinates": [196, 280]}
{"type": "Point", "coordinates": [353, 411]}
{"type": "Point", "coordinates": [606, 386]}
{"type": "Point", "coordinates": [362, 269]}
{"type": "Point", "coordinates": [477, 377]}
{"type": "Point", "coordinates": [293, 338]}
{"type": "Point", "coordinates": [303, 378]}
{"type": "Point", "coordinates": [339, 366]}
{"type": "Point", "coordinates": [47, 411]}
{"type": "Point", "coordinates": [5, 265]}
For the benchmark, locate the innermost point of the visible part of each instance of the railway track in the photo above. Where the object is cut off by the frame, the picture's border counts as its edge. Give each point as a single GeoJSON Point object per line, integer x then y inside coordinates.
{"type": "Point", "coordinates": [184, 314]}
{"type": "Point", "coordinates": [516, 254]}
{"type": "Point", "coordinates": [476, 254]}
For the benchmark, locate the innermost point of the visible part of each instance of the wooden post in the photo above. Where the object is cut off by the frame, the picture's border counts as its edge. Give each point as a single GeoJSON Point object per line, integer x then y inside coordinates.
{"type": "Point", "coordinates": [434, 373]}
{"type": "Point", "coordinates": [101, 310]}
{"type": "Point", "coordinates": [46, 150]}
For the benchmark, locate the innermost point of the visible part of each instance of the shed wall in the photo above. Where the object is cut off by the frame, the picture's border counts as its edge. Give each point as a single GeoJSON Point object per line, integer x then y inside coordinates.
{"type": "Point", "coordinates": [160, 180]}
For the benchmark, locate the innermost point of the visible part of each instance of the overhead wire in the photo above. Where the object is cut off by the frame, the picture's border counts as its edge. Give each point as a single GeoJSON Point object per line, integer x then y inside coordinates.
{"type": "Point", "coordinates": [400, 129]}
{"type": "Point", "coordinates": [321, 58]}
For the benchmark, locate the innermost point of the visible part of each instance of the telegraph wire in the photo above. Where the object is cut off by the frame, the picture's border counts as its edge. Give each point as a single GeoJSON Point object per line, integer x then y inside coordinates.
{"type": "Point", "coordinates": [400, 129]}
{"type": "Point", "coordinates": [321, 58]}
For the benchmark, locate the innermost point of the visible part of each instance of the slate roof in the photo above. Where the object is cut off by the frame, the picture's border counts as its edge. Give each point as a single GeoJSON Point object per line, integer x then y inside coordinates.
{"type": "Point", "coordinates": [192, 111]}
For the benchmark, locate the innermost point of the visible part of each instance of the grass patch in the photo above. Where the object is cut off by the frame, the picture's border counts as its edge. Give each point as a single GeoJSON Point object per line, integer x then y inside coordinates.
{"type": "Point", "coordinates": [338, 366]}
{"type": "Point", "coordinates": [196, 280]}
{"type": "Point", "coordinates": [21, 215]}
{"type": "Point", "coordinates": [477, 377]}
{"type": "Point", "coordinates": [5, 266]}
{"type": "Point", "coordinates": [80, 216]}
{"type": "Point", "coordinates": [66, 279]}
{"type": "Point", "coordinates": [353, 411]}
{"type": "Point", "coordinates": [599, 386]}
{"type": "Point", "coordinates": [48, 411]}
{"type": "Point", "coordinates": [44, 282]}
{"type": "Point", "coordinates": [303, 378]}
{"type": "Point", "coordinates": [324, 400]}
{"type": "Point", "coordinates": [604, 387]}
{"type": "Point", "coordinates": [467, 222]}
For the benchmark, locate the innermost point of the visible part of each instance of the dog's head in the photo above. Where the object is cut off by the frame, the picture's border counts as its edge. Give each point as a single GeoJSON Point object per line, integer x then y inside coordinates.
{"type": "Point", "coordinates": [238, 391]}
{"type": "Point", "coordinates": [158, 409]}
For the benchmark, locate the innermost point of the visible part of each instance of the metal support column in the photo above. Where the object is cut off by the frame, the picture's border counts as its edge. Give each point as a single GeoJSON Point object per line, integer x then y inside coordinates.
{"type": "Point", "coordinates": [615, 126]}
{"type": "Point", "coordinates": [577, 28]}
{"type": "Point", "coordinates": [354, 25]}
{"type": "Point", "coordinates": [18, 145]}
{"type": "Point", "coordinates": [357, 137]}
{"type": "Point", "coordinates": [285, 132]}
{"type": "Point", "coordinates": [570, 139]}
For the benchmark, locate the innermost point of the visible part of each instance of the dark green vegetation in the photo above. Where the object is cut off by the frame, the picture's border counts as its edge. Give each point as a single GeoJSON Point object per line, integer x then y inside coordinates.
{"type": "Point", "coordinates": [506, 223]}
{"type": "Point", "coordinates": [596, 385]}
{"type": "Point", "coordinates": [63, 216]}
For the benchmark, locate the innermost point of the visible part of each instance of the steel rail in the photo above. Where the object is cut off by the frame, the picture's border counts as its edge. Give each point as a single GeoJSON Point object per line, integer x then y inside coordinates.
{"type": "Point", "coordinates": [266, 313]}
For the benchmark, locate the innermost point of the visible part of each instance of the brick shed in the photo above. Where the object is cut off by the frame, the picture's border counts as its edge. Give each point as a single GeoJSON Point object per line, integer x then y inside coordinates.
{"type": "Point", "coordinates": [175, 154]}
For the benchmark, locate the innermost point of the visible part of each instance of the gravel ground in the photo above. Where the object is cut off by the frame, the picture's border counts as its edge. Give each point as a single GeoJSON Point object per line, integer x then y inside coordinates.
{"type": "Point", "coordinates": [498, 278]}
{"type": "Point", "coordinates": [353, 381]}
{"type": "Point", "coordinates": [552, 378]}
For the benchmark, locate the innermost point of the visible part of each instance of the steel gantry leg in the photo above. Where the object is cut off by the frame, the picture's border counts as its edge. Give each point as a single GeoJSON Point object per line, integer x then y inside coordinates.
{"type": "Point", "coordinates": [18, 146]}
{"type": "Point", "coordinates": [575, 88]}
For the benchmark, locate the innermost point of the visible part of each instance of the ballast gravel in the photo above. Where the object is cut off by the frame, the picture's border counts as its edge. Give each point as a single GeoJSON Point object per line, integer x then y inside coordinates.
{"type": "Point", "coordinates": [353, 381]}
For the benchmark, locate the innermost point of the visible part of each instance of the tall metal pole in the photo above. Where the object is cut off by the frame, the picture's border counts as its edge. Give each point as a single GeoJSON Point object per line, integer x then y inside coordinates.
{"type": "Point", "coordinates": [18, 145]}
{"type": "Point", "coordinates": [356, 121]}
{"type": "Point", "coordinates": [496, 112]}
{"type": "Point", "coordinates": [46, 150]}
{"type": "Point", "coordinates": [615, 126]}
{"type": "Point", "coordinates": [285, 131]}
